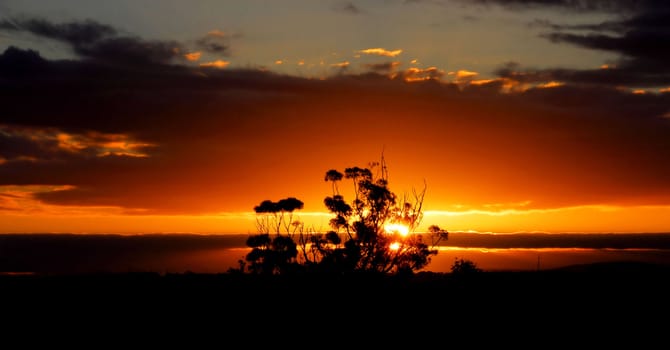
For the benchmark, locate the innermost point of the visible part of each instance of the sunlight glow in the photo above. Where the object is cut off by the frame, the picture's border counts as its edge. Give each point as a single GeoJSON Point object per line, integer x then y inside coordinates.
{"type": "Point", "coordinates": [401, 229]}
{"type": "Point", "coordinates": [394, 246]}
{"type": "Point", "coordinates": [215, 64]}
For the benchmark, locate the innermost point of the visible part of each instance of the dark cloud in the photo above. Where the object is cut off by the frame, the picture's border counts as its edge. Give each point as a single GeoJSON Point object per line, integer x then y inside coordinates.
{"type": "Point", "coordinates": [214, 42]}
{"type": "Point", "coordinates": [433, 2]}
{"type": "Point", "coordinates": [132, 50]}
{"type": "Point", "coordinates": [651, 46]}
{"type": "Point", "coordinates": [180, 139]}
{"type": "Point", "coordinates": [347, 7]}
{"type": "Point", "coordinates": [640, 39]}
{"type": "Point", "coordinates": [384, 67]}
{"type": "Point", "coordinates": [574, 5]}
{"type": "Point", "coordinates": [75, 33]}
{"type": "Point", "coordinates": [15, 62]}
{"type": "Point", "coordinates": [634, 74]}
{"type": "Point", "coordinates": [653, 21]}
{"type": "Point", "coordinates": [97, 41]}
{"type": "Point", "coordinates": [18, 144]}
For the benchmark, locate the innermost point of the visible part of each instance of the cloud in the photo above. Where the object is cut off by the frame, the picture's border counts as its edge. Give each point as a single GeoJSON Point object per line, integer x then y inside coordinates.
{"type": "Point", "coordinates": [216, 33]}
{"type": "Point", "coordinates": [414, 74]}
{"type": "Point", "coordinates": [384, 67]}
{"type": "Point", "coordinates": [573, 5]}
{"type": "Point", "coordinates": [193, 56]}
{"type": "Point", "coordinates": [625, 74]}
{"type": "Point", "coordinates": [185, 139]}
{"type": "Point", "coordinates": [47, 144]}
{"type": "Point", "coordinates": [215, 64]}
{"type": "Point", "coordinates": [76, 33]}
{"type": "Point", "coordinates": [380, 52]}
{"type": "Point", "coordinates": [15, 62]}
{"type": "Point", "coordinates": [636, 42]}
{"type": "Point", "coordinates": [347, 7]}
{"type": "Point", "coordinates": [19, 144]}
{"type": "Point", "coordinates": [463, 74]}
{"type": "Point", "coordinates": [341, 67]}
{"type": "Point", "coordinates": [640, 39]}
{"type": "Point", "coordinates": [96, 41]}
{"type": "Point", "coordinates": [343, 64]}
{"type": "Point", "coordinates": [215, 42]}
{"type": "Point", "coordinates": [433, 2]}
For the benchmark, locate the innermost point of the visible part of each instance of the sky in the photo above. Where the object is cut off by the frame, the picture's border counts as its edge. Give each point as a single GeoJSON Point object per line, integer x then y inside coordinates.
{"type": "Point", "coordinates": [181, 116]}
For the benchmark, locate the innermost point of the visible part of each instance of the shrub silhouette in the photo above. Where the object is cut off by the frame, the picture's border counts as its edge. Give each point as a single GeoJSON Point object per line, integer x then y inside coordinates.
{"type": "Point", "coordinates": [273, 255]}
{"type": "Point", "coordinates": [462, 267]}
{"type": "Point", "coordinates": [374, 233]}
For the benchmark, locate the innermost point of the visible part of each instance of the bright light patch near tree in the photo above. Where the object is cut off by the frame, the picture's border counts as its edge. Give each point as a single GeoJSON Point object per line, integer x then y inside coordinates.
{"type": "Point", "coordinates": [396, 228]}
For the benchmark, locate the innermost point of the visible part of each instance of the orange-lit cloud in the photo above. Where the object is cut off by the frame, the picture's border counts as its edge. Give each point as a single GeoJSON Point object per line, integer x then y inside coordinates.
{"type": "Point", "coordinates": [216, 33]}
{"type": "Point", "coordinates": [193, 56]}
{"type": "Point", "coordinates": [51, 143]}
{"type": "Point", "coordinates": [463, 74]}
{"type": "Point", "coordinates": [464, 78]}
{"type": "Point", "coordinates": [344, 64]}
{"type": "Point", "coordinates": [474, 146]}
{"type": "Point", "coordinates": [21, 200]}
{"type": "Point", "coordinates": [551, 84]}
{"type": "Point", "coordinates": [154, 141]}
{"type": "Point", "coordinates": [414, 74]}
{"type": "Point", "coordinates": [215, 64]}
{"type": "Point", "coordinates": [380, 52]}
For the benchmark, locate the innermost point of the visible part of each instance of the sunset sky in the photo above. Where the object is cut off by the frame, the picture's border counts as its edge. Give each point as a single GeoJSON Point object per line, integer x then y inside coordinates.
{"type": "Point", "coordinates": [135, 116]}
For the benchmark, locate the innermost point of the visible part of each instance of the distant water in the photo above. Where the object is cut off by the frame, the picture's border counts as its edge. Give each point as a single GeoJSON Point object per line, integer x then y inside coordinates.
{"type": "Point", "coordinates": [176, 253]}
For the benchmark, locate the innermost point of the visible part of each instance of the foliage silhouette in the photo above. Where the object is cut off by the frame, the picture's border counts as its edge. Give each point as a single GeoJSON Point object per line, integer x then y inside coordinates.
{"type": "Point", "coordinates": [374, 233]}
{"type": "Point", "coordinates": [463, 267]}
{"type": "Point", "coordinates": [273, 255]}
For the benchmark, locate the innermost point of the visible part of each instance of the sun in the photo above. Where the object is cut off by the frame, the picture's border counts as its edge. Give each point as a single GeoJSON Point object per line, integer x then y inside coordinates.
{"type": "Point", "coordinates": [401, 229]}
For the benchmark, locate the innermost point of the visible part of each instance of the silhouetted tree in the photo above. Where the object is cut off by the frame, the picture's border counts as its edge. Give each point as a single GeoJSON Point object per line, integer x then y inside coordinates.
{"type": "Point", "coordinates": [372, 233]}
{"type": "Point", "coordinates": [334, 176]}
{"type": "Point", "coordinates": [375, 231]}
{"type": "Point", "coordinates": [464, 267]}
{"type": "Point", "coordinates": [437, 234]}
{"type": "Point", "coordinates": [277, 217]}
{"type": "Point", "coordinates": [274, 255]}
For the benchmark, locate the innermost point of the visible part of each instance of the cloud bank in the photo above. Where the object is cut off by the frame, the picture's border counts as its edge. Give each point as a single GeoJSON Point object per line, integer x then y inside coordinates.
{"type": "Point", "coordinates": [131, 123]}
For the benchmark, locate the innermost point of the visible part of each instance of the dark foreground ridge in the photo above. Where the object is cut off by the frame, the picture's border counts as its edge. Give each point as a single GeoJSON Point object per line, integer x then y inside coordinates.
{"type": "Point", "coordinates": [571, 302]}
{"type": "Point", "coordinates": [577, 282]}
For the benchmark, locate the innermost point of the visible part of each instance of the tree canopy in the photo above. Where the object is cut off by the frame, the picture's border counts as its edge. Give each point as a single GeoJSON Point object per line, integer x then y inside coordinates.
{"type": "Point", "coordinates": [374, 232]}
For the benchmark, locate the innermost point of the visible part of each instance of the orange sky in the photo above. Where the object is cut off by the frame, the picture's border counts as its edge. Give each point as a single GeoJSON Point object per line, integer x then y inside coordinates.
{"type": "Point", "coordinates": [132, 135]}
{"type": "Point", "coordinates": [490, 163]}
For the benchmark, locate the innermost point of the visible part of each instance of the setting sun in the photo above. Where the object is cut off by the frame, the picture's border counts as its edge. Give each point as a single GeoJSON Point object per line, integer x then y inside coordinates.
{"type": "Point", "coordinates": [182, 124]}
{"type": "Point", "coordinates": [400, 229]}
{"type": "Point", "coordinates": [336, 161]}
